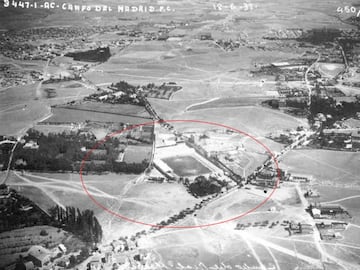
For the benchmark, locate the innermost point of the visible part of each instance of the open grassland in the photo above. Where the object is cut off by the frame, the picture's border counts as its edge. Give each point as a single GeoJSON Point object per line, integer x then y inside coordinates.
{"type": "Point", "coordinates": [257, 121]}
{"type": "Point", "coordinates": [223, 245]}
{"type": "Point", "coordinates": [335, 168]}
{"type": "Point", "coordinates": [62, 92]}
{"type": "Point", "coordinates": [146, 202]}
{"type": "Point", "coordinates": [137, 154]}
{"type": "Point", "coordinates": [19, 109]}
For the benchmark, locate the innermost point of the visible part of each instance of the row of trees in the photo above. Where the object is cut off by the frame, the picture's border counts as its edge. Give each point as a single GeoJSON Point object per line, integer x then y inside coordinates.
{"type": "Point", "coordinates": [81, 223]}
{"type": "Point", "coordinates": [110, 165]}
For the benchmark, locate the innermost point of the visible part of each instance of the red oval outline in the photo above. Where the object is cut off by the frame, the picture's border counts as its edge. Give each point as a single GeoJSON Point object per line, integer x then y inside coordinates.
{"type": "Point", "coordinates": [177, 121]}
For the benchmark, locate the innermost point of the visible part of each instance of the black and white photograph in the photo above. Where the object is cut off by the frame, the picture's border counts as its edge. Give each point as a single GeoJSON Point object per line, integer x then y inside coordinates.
{"type": "Point", "coordinates": [180, 135]}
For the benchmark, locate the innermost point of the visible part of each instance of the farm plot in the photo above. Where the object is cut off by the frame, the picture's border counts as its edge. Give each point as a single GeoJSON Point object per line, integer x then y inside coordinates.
{"type": "Point", "coordinates": [137, 154]}
{"type": "Point", "coordinates": [117, 109]}
{"type": "Point", "coordinates": [63, 115]}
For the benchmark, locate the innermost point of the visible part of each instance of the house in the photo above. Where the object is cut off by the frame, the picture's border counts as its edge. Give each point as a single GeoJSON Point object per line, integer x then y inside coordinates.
{"type": "Point", "coordinates": [104, 97]}
{"type": "Point", "coordinates": [39, 255]}
{"type": "Point", "coordinates": [24, 266]}
{"type": "Point", "coordinates": [316, 213]}
{"type": "Point", "coordinates": [331, 210]}
{"type": "Point", "coordinates": [162, 36]}
{"type": "Point", "coordinates": [327, 211]}
{"type": "Point", "coordinates": [95, 263]}
{"type": "Point", "coordinates": [311, 194]}
{"type": "Point", "coordinates": [118, 94]}
{"type": "Point", "coordinates": [31, 145]}
{"type": "Point", "coordinates": [266, 178]}
{"type": "Point", "coordinates": [300, 178]}
{"type": "Point", "coordinates": [119, 245]}
{"type": "Point", "coordinates": [205, 36]}
{"type": "Point", "coordinates": [62, 248]}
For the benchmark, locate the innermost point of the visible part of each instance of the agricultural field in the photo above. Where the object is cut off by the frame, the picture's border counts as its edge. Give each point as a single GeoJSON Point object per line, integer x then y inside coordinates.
{"type": "Point", "coordinates": [19, 109]}
{"type": "Point", "coordinates": [63, 92]}
{"type": "Point", "coordinates": [137, 153]}
{"type": "Point", "coordinates": [228, 103]}
{"type": "Point", "coordinates": [335, 168]}
{"type": "Point", "coordinates": [118, 109]}
{"type": "Point", "coordinates": [64, 115]}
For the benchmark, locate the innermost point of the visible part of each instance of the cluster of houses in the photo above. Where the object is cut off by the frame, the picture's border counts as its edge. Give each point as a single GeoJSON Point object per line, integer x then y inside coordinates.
{"type": "Point", "coordinates": [300, 228]}
{"type": "Point", "coordinates": [330, 230]}
{"type": "Point", "coordinates": [269, 177]}
{"type": "Point", "coordinates": [38, 257]}
{"type": "Point", "coordinates": [328, 211]}
{"type": "Point", "coordinates": [347, 139]}
{"type": "Point", "coordinates": [11, 76]}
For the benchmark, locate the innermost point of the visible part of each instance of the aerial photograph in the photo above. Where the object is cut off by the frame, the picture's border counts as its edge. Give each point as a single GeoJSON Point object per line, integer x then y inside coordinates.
{"type": "Point", "coordinates": [180, 135]}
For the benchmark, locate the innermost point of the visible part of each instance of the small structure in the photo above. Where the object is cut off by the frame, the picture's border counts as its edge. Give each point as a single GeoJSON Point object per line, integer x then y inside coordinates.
{"type": "Point", "coordinates": [31, 145]}
{"type": "Point", "coordinates": [95, 263]}
{"type": "Point", "coordinates": [311, 194]}
{"type": "Point", "coordinates": [29, 265]}
{"type": "Point", "coordinates": [327, 211]}
{"type": "Point", "coordinates": [300, 178]}
{"type": "Point", "coordinates": [316, 213]}
{"type": "Point", "coordinates": [39, 255]}
{"type": "Point", "coordinates": [205, 36]}
{"type": "Point", "coordinates": [62, 248]}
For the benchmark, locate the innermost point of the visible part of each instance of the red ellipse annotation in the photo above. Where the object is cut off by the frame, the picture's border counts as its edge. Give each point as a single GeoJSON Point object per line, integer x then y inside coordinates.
{"type": "Point", "coordinates": [179, 121]}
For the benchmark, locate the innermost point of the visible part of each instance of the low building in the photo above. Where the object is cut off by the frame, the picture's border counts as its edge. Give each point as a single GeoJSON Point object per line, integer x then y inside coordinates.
{"type": "Point", "coordinates": [39, 255]}
{"type": "Point", "coordinates": [327, 211]}
{"type": "Point", "coordinates": [302, 178]}
{"type": "Point", "coordinates": [205, 36]}
{"type": "Point", "coordinates": [28, 265]}
{"type": "Point", "coordinates": [31, 145]}
{"type": "Point", "coordinates": [62, 248]}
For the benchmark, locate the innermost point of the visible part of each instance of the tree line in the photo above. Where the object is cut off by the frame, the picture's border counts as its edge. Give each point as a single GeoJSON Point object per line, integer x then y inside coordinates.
{"type": "Point", "coordinates": [81, 223]}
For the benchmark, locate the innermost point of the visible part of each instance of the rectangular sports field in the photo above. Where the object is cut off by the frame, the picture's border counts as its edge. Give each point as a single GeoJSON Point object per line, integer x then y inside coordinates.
{"type": "Point", "coordinates": [186, 166]}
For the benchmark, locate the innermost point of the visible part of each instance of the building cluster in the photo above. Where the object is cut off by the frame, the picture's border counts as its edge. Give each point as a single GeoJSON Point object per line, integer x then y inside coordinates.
{"type": "Point", "coordinates": [269, 177]}
{"type": "Point", "coordinates": [341, 139]}
{"type": "Point", "coordinates": [115, 96]}
{"type": "Point", "coordinates": [119, 254]}
{"type": "Point", "coordinates": [288, 136]}
{"type": "Point", "coordinates": [13, 77]}
{"type": "Point", "coordinates": [39, 257]}
{"type": "Point", "coordinates": [16, 44]}
{"type": "Point", "coordinates": [300, 228]}
{"type": "Point", "coordinates": [285, 34]}
{"type": "Point", "coordinates": [290, 92]}
{"type": "Point", "coordinates": [331, 53]}
{"type": "Point", "coordinates": [330, 230]}
{"type": "Point", "coordinates": [230, 45]}
{"type": "Point", "coordinates": [328, 211]}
